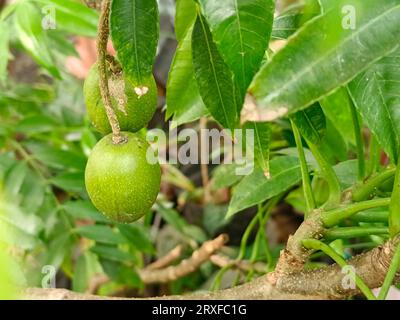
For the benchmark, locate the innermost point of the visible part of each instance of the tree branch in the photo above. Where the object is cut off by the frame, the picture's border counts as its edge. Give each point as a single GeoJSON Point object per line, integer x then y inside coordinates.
{"type": "Point", "coordinates": [324, 283]}
{"type": "Point", "coordinates": [166, 260]}
{"type": "Point", "coordinates": [186, 266]}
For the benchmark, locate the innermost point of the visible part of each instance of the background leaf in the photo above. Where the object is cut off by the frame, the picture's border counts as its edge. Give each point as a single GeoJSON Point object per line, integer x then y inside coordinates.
{"type": "Point", "coordinates": [137, 236]}
{"type": "Point", "coordinates": [67, 17]}
{"type": "Point", "coordinates": [100, 233]}
{"type": "Point", "coordinates": [4, 50]}
{"type": "Point", "coordinates": [376, 96]}
{"type": "Point", "coordinates": [32, 36]}
{"type": "Point", "coordinates": [311, 123]}
{"type": "Point", "coordinates": [134, 32]}
{"type": "Point", "coordinates": [287, 22]}
{"type": "Point", "coordinates": [81, 209]}
{"type": "Point", "coordinates": [256, 188]}
{"type": "Point", "coordinates": [185, 15]}
{"type": "Point", "coordinates": [183, 97]}
{"type": "Point", "coordinates": [323, 55]}
{"type": "Point", "coordinates": [70, 181]}
{"type": "Point", "coordinates": [241, 29]}
{"type": "Point", "coordinates": [262, 138]}
{"type": "Point", "coordinates": [214, 79]}
{"type": "Point", "coordinates": [336, 107]}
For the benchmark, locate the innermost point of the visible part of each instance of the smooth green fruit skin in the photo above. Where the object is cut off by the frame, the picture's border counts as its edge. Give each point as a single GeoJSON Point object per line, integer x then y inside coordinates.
{"type": "Point", "coordinates": [139, 110]}
{"type": "Point", "coordinates": [119, 180]}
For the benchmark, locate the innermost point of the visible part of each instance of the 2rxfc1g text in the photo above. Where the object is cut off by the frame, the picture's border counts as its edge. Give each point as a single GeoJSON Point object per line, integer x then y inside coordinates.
{"type": "Point", "coordinates": [201, 309]}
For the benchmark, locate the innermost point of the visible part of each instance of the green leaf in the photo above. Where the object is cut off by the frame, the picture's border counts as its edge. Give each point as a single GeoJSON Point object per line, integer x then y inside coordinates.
{"type": "Point", "coordinates": [256, 188]}
{"type": "Point", "coordinates": [35, 124]}
{"type": "Point", "coordinates": [112, 253]}
{"type": "Point", "coordinates": [394, 207]}
{"type": "Point", "coordinates": [60, 159]}
{"type": "Point", "coordinates": [376, 96]}
{"type": "Point", "coordinates": [346, 172]}
{"type": "Point", "coordinates": [214, 79]}
{"type": "Point", "coordinates": [32, 36]}
{"type": "Point", "coordinates": [173, 218]}
{"type": "Point", "coordinates": [72, 16]}
{"type": "Point", "coordinates": [134, 32]}
{"type": "Point", "coordinates": [121, 273]}
{"type": "Point", "coordinates": [214, 218]}
{"type": "Point", "coordinates": [323, 55]}
{"type": "Point", "coordinates": [18, 228]}
{"type": "Point", "coordinates": [86, 266]}
{"type": "Point", "coordinates": [88, 141]}
{"type": "Point", "coordinates": [224, 176]}
{"type": "Point", "coordinates": [262, 138]}
{"type": "Point", "coordinates": [101, 233]}
{"type": "Point", "coordinates": [137, 236]}
{"type": "Point", "coordinates": [337, 108]}
{"type": "Point", "coordinates": [311, 123]}
{"type": "Point", "coordinates": [15, 178]}
{"type": "Point", "coordinates": [241, 29]}
{"type": "Point", "coordinates": [81, 209]}
{"type": "Point", "coordinates": [4, 50]}
{"type": "Point", "coordinates": [13, 215]}
{"type": "Point", "coordinates": [183, 97]}
{"type": "Point", "coordinates": [70, 181]}
{"type": "Point", "coordinates": [333, 146]}
{"type": "Point", "coordinates": [58, 249]}
{"type": "Point", "coordinates": [287, 23]}
{"type": "Point", "coordinates": [33, 193]}
{"type": "Point", "coordinates": [62, 44]}
{"type": "Point", "coordinates": [185, 15]}
{"type": "Point", "coordinates": [80, 279]}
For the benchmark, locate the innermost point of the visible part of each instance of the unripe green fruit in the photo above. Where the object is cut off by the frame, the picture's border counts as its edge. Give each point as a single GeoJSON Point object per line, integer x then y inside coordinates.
{"type": "Point", "coordinates": [134, 109]}
{"type": "Point", "coordinates": [119, 180]}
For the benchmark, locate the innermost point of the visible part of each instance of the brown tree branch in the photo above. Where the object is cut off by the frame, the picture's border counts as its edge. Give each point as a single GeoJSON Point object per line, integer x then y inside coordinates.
{"type": "Point", "coordinates": [324, 283]}
{"type": "Point", "coordinates": [160, 270]}
{"type": "Point", "coordinates": [294, 256]}
{"type": "Point", "coordinates": [243, 265]}
{"type": "Point", "coordinates": [166, 260]}
{"type": "Point", "coordinates": [186, 266]}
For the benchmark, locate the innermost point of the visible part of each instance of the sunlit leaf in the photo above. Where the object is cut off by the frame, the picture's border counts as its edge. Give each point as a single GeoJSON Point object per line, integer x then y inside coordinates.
{"type": "Point", "coordinates": [326, 53]}
{"type": "Point", "coordinates": [241, 29]}
{"type": "Point", "coordinates": [134, 32]}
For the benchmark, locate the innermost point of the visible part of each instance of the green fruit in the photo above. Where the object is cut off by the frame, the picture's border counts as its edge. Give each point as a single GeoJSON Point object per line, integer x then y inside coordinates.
{"type": "Point", "coordinates": [119, 180]}
{"type": "Point", "coordinates": [139, 109]}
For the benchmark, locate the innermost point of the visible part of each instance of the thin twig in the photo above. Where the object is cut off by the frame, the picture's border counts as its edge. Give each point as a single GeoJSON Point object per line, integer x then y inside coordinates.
{"type": "Point", "coordinates": [243, 265]}
{"type": "Point", "coordinates": [166, 260]}
{"type": "Point", "coordinates": [187, 266]}
{"type": "Point", "coordinates": [161, 270]}
{"type": "Point", "coordinates": [102, 40]}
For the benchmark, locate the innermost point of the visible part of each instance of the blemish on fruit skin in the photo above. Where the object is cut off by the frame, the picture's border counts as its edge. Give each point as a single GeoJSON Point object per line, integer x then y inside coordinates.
{"type": "Point", "coordinates": [141, 91]}
{"type": "Point", "coordinates": [116, 85]}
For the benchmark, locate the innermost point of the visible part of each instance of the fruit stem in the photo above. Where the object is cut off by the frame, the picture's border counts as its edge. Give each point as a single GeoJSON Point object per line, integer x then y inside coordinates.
{"type": "Point", "coordinates": [102, 40]}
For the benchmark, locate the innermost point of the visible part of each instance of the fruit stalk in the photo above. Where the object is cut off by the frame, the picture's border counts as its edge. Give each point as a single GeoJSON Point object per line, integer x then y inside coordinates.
{"type": "Point", "coordinates": [102, 40]}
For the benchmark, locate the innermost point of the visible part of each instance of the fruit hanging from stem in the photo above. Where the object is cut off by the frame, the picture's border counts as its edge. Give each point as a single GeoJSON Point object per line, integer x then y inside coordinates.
{"type": "Point", "coordinates": [120, 180]}
{"type": "Point", "coordinates": [134, 104]}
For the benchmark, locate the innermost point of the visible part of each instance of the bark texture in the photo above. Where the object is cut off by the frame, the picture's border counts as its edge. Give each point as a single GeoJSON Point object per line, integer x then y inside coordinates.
{"type": "Point", "coordinates": [324, 283]}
